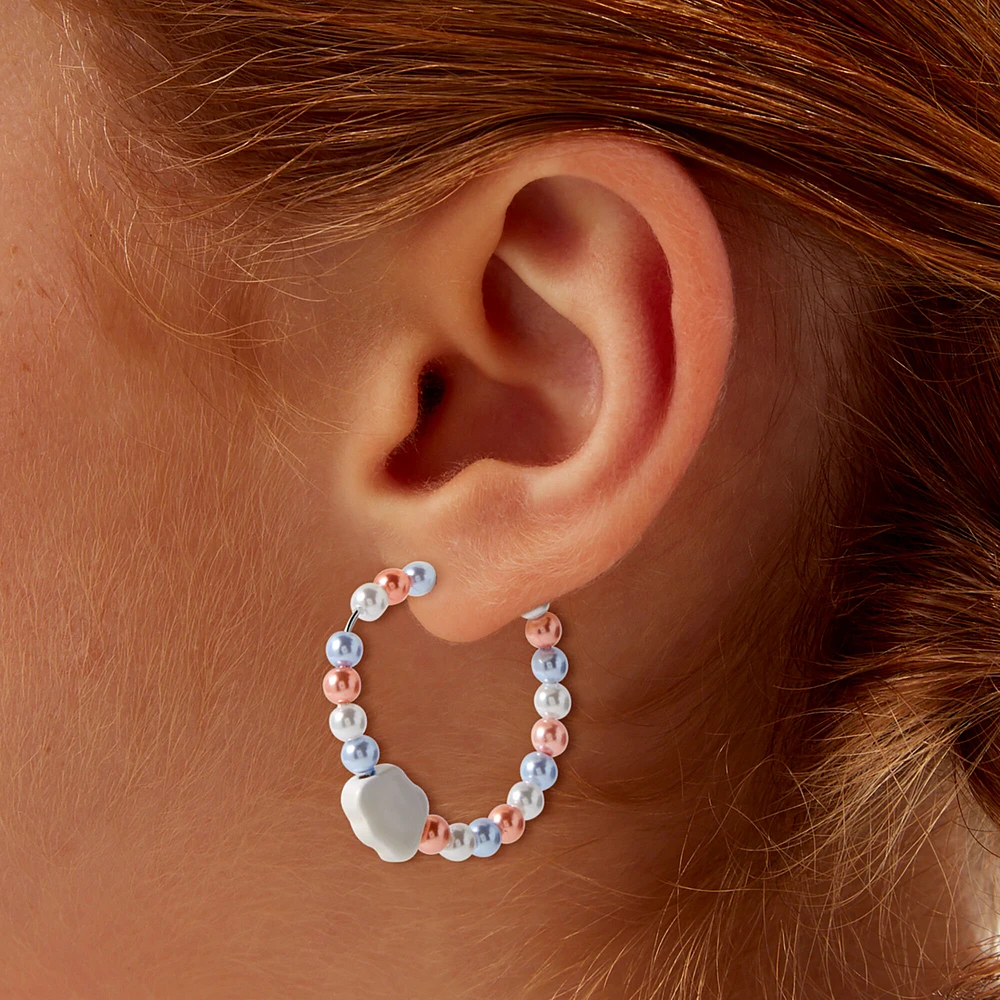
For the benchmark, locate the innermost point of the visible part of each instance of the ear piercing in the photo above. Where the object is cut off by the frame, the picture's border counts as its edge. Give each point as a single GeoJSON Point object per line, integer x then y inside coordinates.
{"type": "Point", "coordinates": [387, 811]}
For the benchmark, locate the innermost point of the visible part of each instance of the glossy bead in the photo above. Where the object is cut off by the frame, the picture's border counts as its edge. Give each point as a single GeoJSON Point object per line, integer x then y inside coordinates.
{"type": "Point", "coordinates": [488, 837]}
{"type": "Point", "coordinates": [527, 798]}
{"type": "Point", "coordinates": [422, 576]}
{"type": "Point", "coordinates": [342, 685]}
{"type": "Point", "coordinates": [370, 601]}
{"type": "Point", "coordinates": [461, 844]}
{"type": "Point", "coordinates": [344, 649]}
{"type": "Point", "coordinates": [386, 810]}
{"type": "Point", "coordinates": [549, 665]}
{"type": "Point", "coordinates": [553, 701]}
{"type": "Point", "coordinates": [348, 721]}
{"type": "Point", "coordinates": [360, 755]}
{"type": "Point", "coordinates": [395, 583]}
{"type": "Point", "coordinates": [436, 835]}
{"type": "Point", "coordinates": [510, 819]}
{"type": "Point", "coordinates": [549, 736]}
{"type": "Point", "coordinates": [539, 769]}
{"type": "Point", "coordinates": [543, 632]}
{"type": "Point", "coordinates": [536, 612]}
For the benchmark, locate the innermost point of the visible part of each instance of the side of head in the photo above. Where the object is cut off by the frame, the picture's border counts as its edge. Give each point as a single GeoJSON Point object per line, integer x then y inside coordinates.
{"type": "Point", "coordinates": [680, 315]}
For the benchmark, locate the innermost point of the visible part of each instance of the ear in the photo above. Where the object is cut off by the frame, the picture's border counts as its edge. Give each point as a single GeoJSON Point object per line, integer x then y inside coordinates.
{"type": "Point", "coordinates": [567, 321]}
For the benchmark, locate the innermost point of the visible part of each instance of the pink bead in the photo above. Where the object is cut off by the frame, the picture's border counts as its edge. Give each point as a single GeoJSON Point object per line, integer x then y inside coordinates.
{"type": "Point", "coordinates": [436, 835]}
{"type": "Point", "coordinates": [395, 583]}
{"type": "Point", "coordinates": [549, 736]}
{"type": "Point", "coordinates": [510, 819]}
{"type": "Point", "coordinates": [543, 632]}
{"type": "Point", "coordinates": [342, 685]}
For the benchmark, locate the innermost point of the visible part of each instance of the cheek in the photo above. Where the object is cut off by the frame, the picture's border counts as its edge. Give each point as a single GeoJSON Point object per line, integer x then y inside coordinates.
{"type": "Point", "coordinates": [49, 438]}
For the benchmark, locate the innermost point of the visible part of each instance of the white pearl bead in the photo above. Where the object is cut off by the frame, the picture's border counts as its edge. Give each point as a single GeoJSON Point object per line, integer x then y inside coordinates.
{"type": "Point", "coordinates": [462, 843]}
{"type": "Point", "coordinates": [553, 701]}
{"type": "Point", "coordinates": [529, 798]}
{"type": "Point", "coordinates": [370, 601]}
{"type": "Point", "coordinates": [348, 722]}
{"type": "Point", "coordinates": [536, 612]}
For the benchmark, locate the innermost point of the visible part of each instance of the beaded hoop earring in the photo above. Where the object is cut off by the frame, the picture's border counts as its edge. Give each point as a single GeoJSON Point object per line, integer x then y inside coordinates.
{"type": "Point", "coordinates": [387, 811]}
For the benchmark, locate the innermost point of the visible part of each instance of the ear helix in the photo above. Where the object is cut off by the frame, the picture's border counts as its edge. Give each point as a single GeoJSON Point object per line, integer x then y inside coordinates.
{"type": "Point", "coordinates": [387, 811]}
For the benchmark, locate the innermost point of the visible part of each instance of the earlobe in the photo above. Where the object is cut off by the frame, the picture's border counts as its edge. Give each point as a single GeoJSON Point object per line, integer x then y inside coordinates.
{"type": "Point", "coordinates": [572, 319]}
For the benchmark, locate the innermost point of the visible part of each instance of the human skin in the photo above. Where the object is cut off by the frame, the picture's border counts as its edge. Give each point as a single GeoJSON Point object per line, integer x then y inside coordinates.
{"type": "Point", "coordinates": [176, 551]}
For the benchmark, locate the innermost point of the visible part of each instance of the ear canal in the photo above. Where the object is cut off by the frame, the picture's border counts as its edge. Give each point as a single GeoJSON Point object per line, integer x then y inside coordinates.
{"type": "Point", "coordinates": [533, 407]}
{"type": "Point", "coordinates": [403, 463]}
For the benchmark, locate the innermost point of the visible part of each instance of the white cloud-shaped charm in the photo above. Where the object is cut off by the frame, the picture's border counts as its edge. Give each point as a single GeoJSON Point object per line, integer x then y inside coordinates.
{"type": "Point", "coordinates": [387, 812]}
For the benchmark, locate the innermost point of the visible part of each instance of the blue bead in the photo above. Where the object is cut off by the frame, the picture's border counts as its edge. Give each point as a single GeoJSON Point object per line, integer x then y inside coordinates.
{"type": "Point", "coordinates": [360, 755]}
{"type": "Point", "coordinates": [344, 649]}
{"type": "Point", "coordinates": [487, 835]}
{"type": "Point", "coordinates": [422, 576]}
{"type": "Point", "coordinates": [549, 665]}
{"type": "Point", "coordinates": [539, 769]}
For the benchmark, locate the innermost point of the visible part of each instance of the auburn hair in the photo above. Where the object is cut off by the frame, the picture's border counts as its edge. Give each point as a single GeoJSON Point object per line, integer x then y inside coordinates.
{"type": "Point", "coordinates": [876, 123]}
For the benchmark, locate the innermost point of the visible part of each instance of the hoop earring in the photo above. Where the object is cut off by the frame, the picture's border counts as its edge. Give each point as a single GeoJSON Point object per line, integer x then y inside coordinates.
{"type": "Point", "coordinates": [387, 811]}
